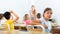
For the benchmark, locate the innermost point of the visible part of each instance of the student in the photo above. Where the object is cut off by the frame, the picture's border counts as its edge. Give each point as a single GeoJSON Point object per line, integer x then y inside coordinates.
{"type": "Point", "coordinates": [26, 19]}
{"type": "Point", "coordinates": [32, 13]}
{"type": "Point", "coordinates": [45, 19]}
{"type": "Point", "coordinates": [1, 20]}
{"type": "Point", "coordinates": [38, 16]}
{"type": "Point", "coordinates": [9, 24]}
{"type": "Point", "coordinates": [37, 21]}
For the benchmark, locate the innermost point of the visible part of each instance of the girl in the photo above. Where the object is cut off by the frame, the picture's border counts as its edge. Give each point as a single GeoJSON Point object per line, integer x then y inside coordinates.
{"type": "Point", "coordinates": [1, 20]}
{"type": "Point", "coordinates": [26, 19]}
{"type": "Point", "coordinates": [9, 23]}
{"type": "Point", "coordinates": [45, 19]}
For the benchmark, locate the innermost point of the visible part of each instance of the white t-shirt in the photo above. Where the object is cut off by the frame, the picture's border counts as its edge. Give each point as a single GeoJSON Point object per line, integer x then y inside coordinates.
{"type": "Point", "coordinates": [46, 23]}
{"type": "Point", "coordinates": [1, 23]}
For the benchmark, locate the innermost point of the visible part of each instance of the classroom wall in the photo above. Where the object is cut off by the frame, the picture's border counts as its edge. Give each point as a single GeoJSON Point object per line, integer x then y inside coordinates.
{"type": "Point", "coordinates": [23, 6]}
{"type": "Point", "coordinates": [54, 4]}
{"type": "Point", "coordinates": [18, 6]}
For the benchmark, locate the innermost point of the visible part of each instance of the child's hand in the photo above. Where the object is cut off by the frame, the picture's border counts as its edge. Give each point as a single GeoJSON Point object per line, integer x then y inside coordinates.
{"type": "Point", "coordinates": [45, 26]}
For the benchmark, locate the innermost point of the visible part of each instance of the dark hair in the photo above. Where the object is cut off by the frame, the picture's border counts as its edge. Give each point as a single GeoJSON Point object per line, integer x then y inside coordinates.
{"type": "Point", "coordinates": [46, 10]}
{"type": "Point", "coordinates": [25, 16]}
{"type": "Point", "coordinates": [1, 16]}
{"type": "Point", "coordinates": [38, 15]}
{"type": "Point", "coordinates": [7, 15]}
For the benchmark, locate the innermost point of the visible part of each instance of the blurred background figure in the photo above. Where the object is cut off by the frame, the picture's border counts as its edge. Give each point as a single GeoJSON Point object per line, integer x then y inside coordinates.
{"type": "Point", "coordinates": [38, 16]}
{"type": "Point", "coordinates": [1, 20]}
{"type": "Point", "coordinates": [37, 21]}
{"type": "Point", "coordinates": [26, 19]}
{"type": "Point", "coordinates": [33, 13]}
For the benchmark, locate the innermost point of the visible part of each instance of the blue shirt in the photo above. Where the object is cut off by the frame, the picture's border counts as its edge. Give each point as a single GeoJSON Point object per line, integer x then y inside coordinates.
{"type": "Point", "coordinates": [46, 23]}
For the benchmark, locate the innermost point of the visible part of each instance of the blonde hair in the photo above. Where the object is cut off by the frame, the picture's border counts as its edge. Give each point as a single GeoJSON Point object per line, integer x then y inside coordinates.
{"type": "Point", "coordinates": [34, 12]}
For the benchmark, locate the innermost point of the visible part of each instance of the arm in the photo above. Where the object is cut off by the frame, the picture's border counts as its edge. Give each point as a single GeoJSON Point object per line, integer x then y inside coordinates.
{"type": "Point", "coordinates": [34, 22]}
{"type": "Point", "coordinates": [37, 21]}
{"type": "Point", "coordinates": [46, 27]}
{"type": "Point", "coordinates": [16, 16]}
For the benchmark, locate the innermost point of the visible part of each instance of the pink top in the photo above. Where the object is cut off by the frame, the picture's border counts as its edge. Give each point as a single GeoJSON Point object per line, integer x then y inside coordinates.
{"type": "Point", "coordinates": [27, 22]}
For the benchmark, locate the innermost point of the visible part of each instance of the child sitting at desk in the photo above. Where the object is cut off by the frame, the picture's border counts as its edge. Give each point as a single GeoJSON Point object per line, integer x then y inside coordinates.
{"type": "Point", "coordinates": [9, 23]}
{"type": "Point", "coordinates": [37, 21]}
{"type": "Point", "coordinates": [26, 19]}
{"type": "Point", "coordinates": [1, 20]}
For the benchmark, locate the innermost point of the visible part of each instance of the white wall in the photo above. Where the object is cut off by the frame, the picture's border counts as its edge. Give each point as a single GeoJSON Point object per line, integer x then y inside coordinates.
{"type": "Point", "coordinates": [54, 4]}
{"type": "Point", "coordinates": [18, 6]}
{"type": "Point", "coordinates": [22, 6]}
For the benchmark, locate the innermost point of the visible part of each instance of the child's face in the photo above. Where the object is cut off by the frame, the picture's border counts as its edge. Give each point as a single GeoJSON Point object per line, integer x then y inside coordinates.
{"type": "Point", "coordinates": [48, 14]}
{"type": "Point", "coordinates": [26, 17]}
